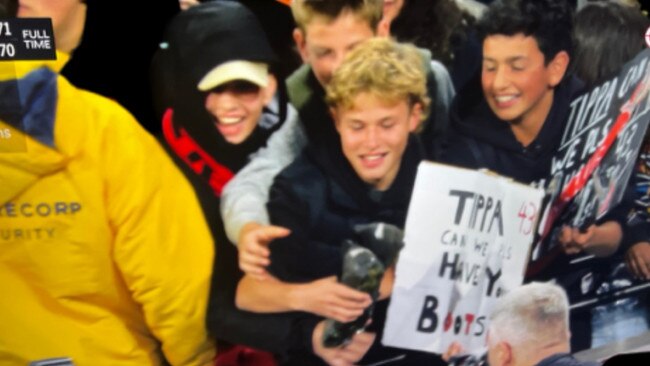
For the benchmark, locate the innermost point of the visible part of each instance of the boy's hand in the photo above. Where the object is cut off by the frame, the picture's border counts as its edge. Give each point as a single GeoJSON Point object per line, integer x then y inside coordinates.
{"type": "Point", "coordinates": [345, 355]}
{"type": "Point", "coordinates": [637, 259]}
{"type": "Point", "coordinates": [454, 349]}
{"type": "Point", "coordinates": [253, 243]}
{"type": "Point", "coordinates": [330, 299]}
{"type": "Point", "coordinates": [574, 240]}
{"type": "Point", "coordinates": [600, 240]}
{"type": "Point", "coordinates": [387, 283]}
{"type": "Point", "coordinates": [186, 4]}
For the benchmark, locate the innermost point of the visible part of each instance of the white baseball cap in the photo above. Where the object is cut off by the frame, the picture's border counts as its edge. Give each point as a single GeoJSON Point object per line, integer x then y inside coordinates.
{"type": "Point", "coordinates": [255, 72]}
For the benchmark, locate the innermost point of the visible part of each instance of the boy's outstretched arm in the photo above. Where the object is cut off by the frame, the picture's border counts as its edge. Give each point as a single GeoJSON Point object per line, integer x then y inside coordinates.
{"type": "Point", "coordinates": [253, 243]}
{"type": "Point", "coordinates": [637, 259]}
{"type": "Point", "coordinates": [347, 355]}
{"type": "Point", "coordinates": [324, 297]}
{"type": "Point", "coordinates": [244, 198]}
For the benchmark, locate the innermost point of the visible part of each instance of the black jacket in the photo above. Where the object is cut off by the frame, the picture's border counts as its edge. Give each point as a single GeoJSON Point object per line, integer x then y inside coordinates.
{"type": "Point", "coordinates": [564, 359]}
{"type": "Point", "coordinates": [320, 198]}
{"type": "Point", "coordinates": [198, 39]}
{"type": "Point", "coordinates": [224, 321]}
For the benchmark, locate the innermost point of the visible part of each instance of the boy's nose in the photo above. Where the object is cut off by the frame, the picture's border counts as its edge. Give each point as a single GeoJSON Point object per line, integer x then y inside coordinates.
{"type": "Point", "coordinates": [501, 79]}
{"type": "Point", "coordinates": [372, 137]}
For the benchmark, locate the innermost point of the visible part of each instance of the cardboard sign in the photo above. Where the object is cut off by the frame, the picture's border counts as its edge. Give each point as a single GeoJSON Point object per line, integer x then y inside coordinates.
{"type": "Point", "coordinates": [598, 151]}
{"type": "Point", "coordinates": [610, 120]}
{"type": "Point", "coordinates": [467, 240]}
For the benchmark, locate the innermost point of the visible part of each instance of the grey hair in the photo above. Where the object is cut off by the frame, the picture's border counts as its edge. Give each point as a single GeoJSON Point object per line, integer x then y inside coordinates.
{"type": "Point", "coordinates": [536, 312]}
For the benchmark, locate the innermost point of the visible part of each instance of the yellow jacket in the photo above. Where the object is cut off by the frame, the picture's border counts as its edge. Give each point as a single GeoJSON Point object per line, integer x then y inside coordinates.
{"type": "Point", "coordinates": [105, 256]}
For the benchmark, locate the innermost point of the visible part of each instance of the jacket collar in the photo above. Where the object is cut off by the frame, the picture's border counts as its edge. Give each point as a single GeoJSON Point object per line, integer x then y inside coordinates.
{"type": "Point", "coordinates": [346, 188]}
{"type": "Point", "coordinates": [19, 69]}
{"type": "Point", "coordinates": [472, 117]}
{"type": "Point", "coordinates": [27, 111]}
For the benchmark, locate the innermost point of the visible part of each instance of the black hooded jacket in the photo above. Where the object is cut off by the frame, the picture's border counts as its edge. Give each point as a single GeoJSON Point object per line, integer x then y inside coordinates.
{"type": "Point", "coordinates": [321, 198]}
{"type": "Point", "coordinates": [197, 40]}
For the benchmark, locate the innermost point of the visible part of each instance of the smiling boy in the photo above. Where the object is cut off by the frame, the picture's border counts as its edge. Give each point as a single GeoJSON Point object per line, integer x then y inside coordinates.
{"type": "Point", "coordinates": [223, 108]}
{"type": "Point", "coordinates": [522, 77]}
{"type": "Point", "coordinates": [518, 82]}
{"type": "Point", "coordinates": [237, 92]}
{"type": "Point", "coordinates": [514, 128]}
{"type": "Point", "coordinates": [377, 99]}
{"type": "Point", "coordinates": [223, 103]}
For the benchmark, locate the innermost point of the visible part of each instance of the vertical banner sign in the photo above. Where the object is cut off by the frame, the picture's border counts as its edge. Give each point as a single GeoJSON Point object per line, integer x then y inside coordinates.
{"type": "Point", "coordinates": [598, 150]}
{"type": "Point", "coordinates": [467, 241]}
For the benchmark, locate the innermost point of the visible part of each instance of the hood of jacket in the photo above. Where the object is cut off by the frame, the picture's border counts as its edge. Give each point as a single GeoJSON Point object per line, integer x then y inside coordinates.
{"type": "Point", "coordinates": [199, 39]}
{"type": "Point", "coordinates": [471, 116]}
{"type": "Point", "coordinates": [27, 112]}
{"type": "Point", "coordinates": [355, 192]}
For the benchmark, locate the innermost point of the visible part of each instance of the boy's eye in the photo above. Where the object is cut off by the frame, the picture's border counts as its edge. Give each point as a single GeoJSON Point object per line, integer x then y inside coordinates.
{"type": "Point", "coordinates": [489, 68]}
{"type": "Point", "coordinates": [518, 67]}
{"type": "Point", "coordinates": [356, 126]}
{"type": "Point", "coordinates": [322, 53]}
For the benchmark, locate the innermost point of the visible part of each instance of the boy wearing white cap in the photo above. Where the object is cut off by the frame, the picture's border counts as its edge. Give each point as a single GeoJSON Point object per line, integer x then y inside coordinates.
{"type": "Point", "coordinates": [223, 100]}
{"type": "Point", "coordinates": [237, 91]}
{"type": "Point", "coordinates": [223, 103]}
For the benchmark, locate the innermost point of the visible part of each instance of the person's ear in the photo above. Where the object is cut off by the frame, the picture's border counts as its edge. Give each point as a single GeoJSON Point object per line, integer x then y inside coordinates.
{"type": "Point", "coordinates": [301, 43]}
{"type": "Point", "coordinates": [383, 28]}
{"type": "Point", "coordinates": [270, 89]}
{"type": "Point", "coordinates": [557, 68]}
{"type": "Point", "coordinates": [415, 117]}
{"type": "Point", "coordinates": [504, 354]}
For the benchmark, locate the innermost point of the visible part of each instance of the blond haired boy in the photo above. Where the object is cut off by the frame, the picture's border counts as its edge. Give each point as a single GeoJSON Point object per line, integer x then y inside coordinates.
{"type": "Point", "coordinates": [377, 98]}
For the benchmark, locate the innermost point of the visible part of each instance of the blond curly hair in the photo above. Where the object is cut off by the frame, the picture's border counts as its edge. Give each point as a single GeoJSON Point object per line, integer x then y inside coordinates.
{"type": "Point", "coordinates": [389, 70]}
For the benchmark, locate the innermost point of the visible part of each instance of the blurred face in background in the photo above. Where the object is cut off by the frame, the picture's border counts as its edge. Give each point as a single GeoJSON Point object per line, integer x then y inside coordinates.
{"type": "Point", "coordinates": [325, 42]}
